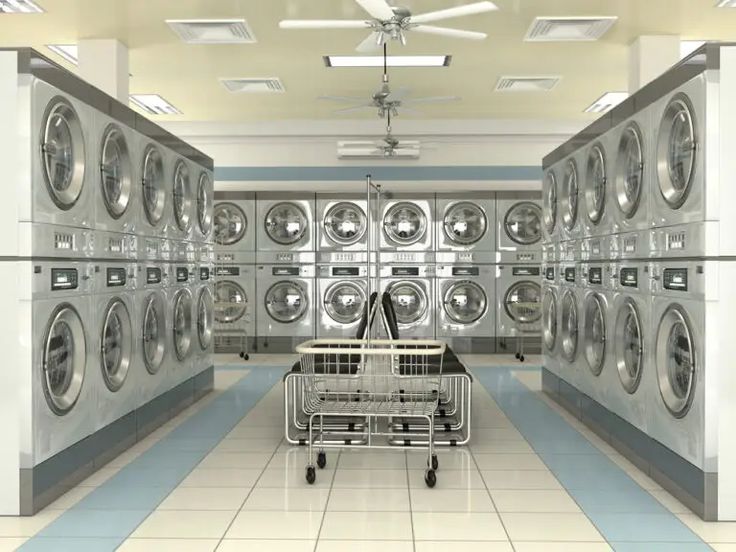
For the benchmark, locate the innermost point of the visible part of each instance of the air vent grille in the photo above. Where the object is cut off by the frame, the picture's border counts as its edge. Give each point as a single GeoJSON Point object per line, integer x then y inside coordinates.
{"type": "Point", "coordinates": [212, 31]}
{"type": "Point", "coordinates": [526, 84]}
{"type": "Point", "coordinates": [253, 85]}
{"type": "Point", "coordinates": [552, 29]}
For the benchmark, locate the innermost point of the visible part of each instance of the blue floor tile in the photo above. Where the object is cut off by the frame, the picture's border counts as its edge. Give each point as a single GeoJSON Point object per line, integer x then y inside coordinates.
{"type": "Point", "coordinates": [578, 461]}
{"type": "Point", "coordinates": [58, 544]}
{"type": "Point", "coordinates": [611, 479]}
{"type": "Point", "coordinates": [124, 498]}
{"type": "Point", "coordinates": [95, 523]}
{"type": "Point", "coordinates": [617, 501]}
{"type": "Point", "coordinates": [660, 547]}
{"type": "Point", "coordinates": [643, 528]}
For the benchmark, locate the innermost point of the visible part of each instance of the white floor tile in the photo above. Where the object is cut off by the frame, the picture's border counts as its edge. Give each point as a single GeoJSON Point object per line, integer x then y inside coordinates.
{"type": "Point", "coordinates": [458, 526]}
{"type": "Point", "coordinates": [723, 547]}
{"type": "Point", "coordinates": [285, 498]}
{"type": "Point", "coordinates": [456, 459]}
{"type": "Point", "coordinates": [371, 460]}
{"type": "Point", "coordinates": [373, 479]}
{"type": "Point", "coordinates": [247, 460]}
{"type": "Point", "coordinates": [27, 526]}
{"type": "Point", "coordinates": [716, 532]}
{"type": "Point", "coordinates": [451, 500]}
{"type": "Point", "coordinates": [464, 546]}
{"type": "Point", "coordinates": [532, 501]}
{"type": "Point", "coordinates": [205, 498]}
{"type": "Point", "coordinates": [492, 435]}
{"type": "Point", "coordinates": [295, 477]}
{"type": "Point", "coordinates": [516, 446]}
{"type": "Point", "coordinates": [520, 479]}
{"type": "Point", "coordinates": [448, 479]}
{"type": "Point", "coordinates": [168, 545]}
{"type": "Point", "coordinates": [223, 477]}
{"type": "Point", "coordinates": [179, 524]}
{"type": "Point", "coordinates": [297, 457]}
{"type": "Point", "coordinates": [247, 445]}
{"type": "Point", "coordinates": [366, 526]}
{"type": "Point", "coordinates": [561, 547]}
{"type": "Point", "coordinates": [509, 462]}
{"type": "Point", "coordinates": [275, 525]}
{"type": "Point", "coordinates": [233, 545]}
{"type": "Point", "coordinates": [11, 544]}
{"type": "Point", "coordinates": [550, 527]}
{"type": "Point", "coordinates": [369, 500]}
{"type": "Point", "coordinates": [364, 546]}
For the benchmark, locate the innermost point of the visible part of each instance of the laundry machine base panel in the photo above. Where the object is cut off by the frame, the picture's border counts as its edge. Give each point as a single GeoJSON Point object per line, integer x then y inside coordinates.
{"type": "Point", "coordinates": [470, 345]}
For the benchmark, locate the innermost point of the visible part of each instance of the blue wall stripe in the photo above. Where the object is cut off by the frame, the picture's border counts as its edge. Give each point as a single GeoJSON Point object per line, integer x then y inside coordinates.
{"type": "Point", "coordinates": [103, 519]}
{"type": "Point", "coordinates": [627, 516]}
{"type": "Point", "coordinates": [331, 174]}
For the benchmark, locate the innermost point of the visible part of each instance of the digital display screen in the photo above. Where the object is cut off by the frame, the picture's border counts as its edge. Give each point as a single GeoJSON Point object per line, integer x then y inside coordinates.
{"type": "Point", "coordinates": [595, 275]}
{"type": "Point", "coordinates": [285, 271]}
{"type": "Point", "coordinates": [465, 271]}
{"type": "Point", "coordinates": [405, 271]}
{"type": "Point", "coordinates": [116, 277]}
{"type": "Point", "coordinates": [204, 273]}
{"type": "Point", "coordinates": [182, 274]}
{"type": "Point", "coordinates": [527, 271]}
{"type": "Point", "coordinates": [227, 271]}
{"type": "Point", "coordinates": [549, 273]}
{"type": "Point", "coordinates": [153, 275]}
{"type": "Point", "coordinates": [63, 278]}
{"type": "Point", "coordinates": [570, 274]}
{"type": "Point", "coordinates": [675, 279]}
{"type": "Point", "coordinates": [346, 271]}
{"type": "Point", "coordinates": [629, 277]}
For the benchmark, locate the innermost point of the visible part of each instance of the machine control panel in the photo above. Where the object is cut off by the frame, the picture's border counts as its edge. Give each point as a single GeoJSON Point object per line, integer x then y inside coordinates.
{"type": "Point", "coordinates": [465, 271]}
{"type": "Point", "coordinates": [285, 271]}
{"type": "Point", "coordinates": [285, 257]}
{"type": "Point", "coordinates": [526, 257]}
{"type": "Point", "coordinates": [64, 279]}
{"type": "Point", "coordinates": [595, 275]}
{"type": "Point", "coordinates": [629, 277]}
{"type": "Point", "coordinates": [116, 277]}
{"type": "Point", "coordinates": [153, 275]}
{"type": "Point", "coordinates": [629, 244]}
{"type": "Point", "coordinates": [152, 248]}
{"type": "Point", "coordinates": [63, 241]}
{"type": "Point", "coordinates": [405, 271]}
{"type": "Point", "coordinates": [204, 273]}
{"type": "Point", "coordinates": [342, 257]}
{"type": "Point", "coordinates": [227, 271]}
{"type": "Point", "coordinates": [570, 274]}
{"type": "Point", "coordinates": [528, 271]}
{"type": "Point", "coordinates": [225, 257]}
{"type": "Point", "coordinates": [345, 271]}
{"type": "Point", "coordinates": [675, 279]}
{"type": "Point", "coordinates": [676, 241]}
{"type": "Point", "coordinates": [549, 273]}
{"type": "Point", "coordinates": [595, 247]}
{"type": "Point", "coordinates": [115, 245]}
{"type": "Point", "coordinates": [182, 274]}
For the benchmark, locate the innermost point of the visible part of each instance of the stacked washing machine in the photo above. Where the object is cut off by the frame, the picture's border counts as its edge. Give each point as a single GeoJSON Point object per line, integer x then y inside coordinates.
{"type": "Point", "coordinates": [88, 212]}
{"type": "Point", "coordinates": [638, 204]}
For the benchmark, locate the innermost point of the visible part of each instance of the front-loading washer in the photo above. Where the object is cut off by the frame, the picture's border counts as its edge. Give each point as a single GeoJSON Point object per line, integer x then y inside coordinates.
{"type": "Point", "coordinates": [181, 303]}
{"type": "Point", "coordinates": [595, 193]}
{"type": "Point", "coordinates": [571, 210]}
{"type": "Point", "coordinates": [519, 228]}
{"type": "Point", "coordinates": [411, 289]}
{"type": "Point", "coordinates": [551, 205]}
{"type": "Point", "coordinates": [152, 358]}
{"type": "Point", "coordinates": [518, 306]}
{"type": "Point", "coordinates": [465, 227]}
{"type": "Point", "coordinates": [234, 221]}
{"type": "Point", "coordinates": [465, 307]}
{"type": "Point", "coordinates": [204, 318]}
{"type": "Point", "coordinates": [285, 228]}
{"type": "Point", "coordinates": [570, 318]}
{"type": "Point", "coordinates": [551, 318]}
{"type": "Point", "coordinates": [342, 228]}
{"type": "Point", "coordinates": [182, 186]}
{"type": "Point", "coordinates": [235, 307]}
{"type": "Point", "coordinates": [342, 294]}
{"type": "Point", "coordinates": [153, 180]}
{"type": "Point", "coordinates": [204, 204]}
{"type": "Point", "coordinates": [406, 226]}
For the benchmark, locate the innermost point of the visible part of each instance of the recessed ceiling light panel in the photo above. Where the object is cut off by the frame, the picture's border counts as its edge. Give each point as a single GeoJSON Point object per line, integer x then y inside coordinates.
{"type": "Point", "coordinates": [212, 31]}
{"type": "Point", "coordinates": [526, 84]}
{"type": "Point", "coordinates": [606, 102]}
{"type": "Point", "coordinates": [253, 85]}
{"type": "Point", "coordinates": [726, 4]}
{"type": "Point", "coordinates": [687, 47]}
{"type": "Point", "coordinates": [69, 52]}
{"type": "Point", "coordinates": [153, 104]}
{"type": "Point", "coordinates": [19, 6]}
{"type": "Point", "coordinates": [569, 29]}
{"type": "Point", "coordinates": [391, 61]}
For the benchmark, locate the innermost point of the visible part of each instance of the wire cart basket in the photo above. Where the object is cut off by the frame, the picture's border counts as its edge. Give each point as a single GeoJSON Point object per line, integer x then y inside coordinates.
{"type": "Point", "coordinates": [232, 317]}
{"type": "Point", "coordinates": [372, 382]}
{"type": "Point", "coordinates": [527, 316]}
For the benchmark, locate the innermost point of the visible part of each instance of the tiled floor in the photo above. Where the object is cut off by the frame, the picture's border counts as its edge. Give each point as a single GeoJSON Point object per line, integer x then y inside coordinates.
{"type": "Point", "coordinates": [214, 479]}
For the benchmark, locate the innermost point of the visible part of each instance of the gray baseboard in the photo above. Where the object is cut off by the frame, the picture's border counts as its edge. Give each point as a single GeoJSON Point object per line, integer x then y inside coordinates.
{"type": "Point", "coordinates": [46, 482]}
{"type": "Point", "coordinates": [531, 345]}
{"type": "Point", "coordinates": [695, 488]}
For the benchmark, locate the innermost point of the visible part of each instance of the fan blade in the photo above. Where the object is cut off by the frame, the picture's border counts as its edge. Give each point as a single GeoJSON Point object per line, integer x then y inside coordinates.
{"type": "Point", "coordinates": [459, 11]}
{"type": "Point", "coordinates": [398, 95]}
{"type": "Point", "coordinates": [371, 43]}
{"type": "Point", "coordinates": [355, 108]}
{"type": "Point", "coordinates": [324, 24]}
{"type": "Point", "coordinates": [378, 9]}
{"type": "Point", "coordinates": [360, 144]}
{"type": "Point", "coordinates": [444, 31]}
{"type": "Point", "coordinates": [346, 99]}
{"type": "Point", "coordinates": [431, 99]}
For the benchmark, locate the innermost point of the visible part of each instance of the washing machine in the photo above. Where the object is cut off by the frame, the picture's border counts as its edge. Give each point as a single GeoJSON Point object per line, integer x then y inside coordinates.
{"type": "Point", "coordinates": [285, 232]}
{"type": "Point", "coordinates": [571, 211]}
{"type": "Point", "coordinates": [64, 357]}
{"type": "Point", "coordinates": [235, 227]}
{"type": "Point", "coordinates": [181, 301]}
{"type": "Point", "coordinates": [342, 228]}
{"type": "Point", "coordinates": [235, 306]}
{"type": "Point", "coordinates": [406, 228]}
{"type": "Point", "coordinates": [152, 358]}
{"type": "Point", "coordinates": [466, 307]}
{"type": "Point", "coordinates": [204, 318]}
{"type": "Point", "coordinates": [411, 289]}
{"type": "Point", "coordinates": [551, 318]}
{"type": "Point", "coordinates": [569, 345]}
{"type": "Point", "coordinates": [155, 204]}
{"type": "Point", "coordinates": [466, 228]}
{"type": "Point", "coordinates": [519, 228]}
{"type": "Point", "coordinates": [342, 292]}
{"type": "Point", "coordinates": [595, 194]}
{"type": "Point", "coordinates": [551, 214]}
{"type": "Point", "coordinates": [518, 305]}
{"type": "Point", "coordinates": [115, 336]}
{"type": "Point", "coordinates": [204, 205]}
{"type": "Point", "coordinates": [630, 342]}
{"type": "Point", "coordinates": [285, 313]}
{"type": "Point", "coordinates": [182, 186]}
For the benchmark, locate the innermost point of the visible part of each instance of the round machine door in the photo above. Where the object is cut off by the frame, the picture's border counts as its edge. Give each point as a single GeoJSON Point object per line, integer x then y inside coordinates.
{"type": "Point", "coordinates": [549, 199]}
{"type": "Point", "coordinates": [116, 344]}
{"type": "Point", "coordinates": [570, 196]}
{"type": "Point", "coordinates": [596, 179]}
{"type": "Point", "coordinates": [465, 223]}
{"type": "Point", "coordinates": [465, 302]}
{"type": "Point", "coordinates": [204, 204]}
{"type": "Point", "coordinates": [595, 333]}
{"type": "Point", "coordinates": [676, 151]}
{"type": "Point", "coordinates": [286, 302]}
{"type": "Point", "coordinates": [230, 224]}
{"type": "Point", "coordinates": [629, 171]}
{"type": "Point", "coordinates": [569, 321]}
{"type": "Point", "coordinates": [523, 223]}
{"type": "Point", "coordinates": [116, 172]}
{"type": "Point", "coordinates": [549, 319]}
{"type": "Point", "coordinates": [62, 153]}
{"type": "Point", "coordinates": [410, 302]}
{"type": "Point", "coordinates": [64, 359]}
{"type": "Point", "coordinates": [344, 302]}
{"type": "Point", "coordinates": [628, 340]}
{"type": "Point", "coordinates": [154, 333]}
{"type": "Point", "coordinates": [182, 323]}
{"type": "Point", "coordinates": [182, 197]}
{"type": "Point", "coordinates": [154, 191]}
{"type": "Point", "coordinates": [231, 302]}
{"type": "Point", "coordinates": [205, 313]}
{"type": "Point", "coordinates": [522, 302]}
{"type": "Point", "coordinates": [286, 223]}
{"type": "Point", "coordinates": [405, 223]}
{"type": "Point", "coordinates": [675, 361]}
{"type": "Point", "coordinates": [345, 223]}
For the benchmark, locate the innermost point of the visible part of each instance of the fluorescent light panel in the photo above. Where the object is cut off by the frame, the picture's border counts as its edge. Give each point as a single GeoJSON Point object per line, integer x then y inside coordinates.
{"type": "Point", "coordinates": [154, 104]}
{"type": "Point", "coordinates": [391, 61]}
{"type": "Point", "coordinates": [726, 4]}
{"type": "Point", "coordinates": [606, 102]}
{"type": "Point", "coordinates": [19, 6]}
{"type": "Point", "coordinates": [69, 52]}
{"type": "Point", "coordinates": [212, 31]}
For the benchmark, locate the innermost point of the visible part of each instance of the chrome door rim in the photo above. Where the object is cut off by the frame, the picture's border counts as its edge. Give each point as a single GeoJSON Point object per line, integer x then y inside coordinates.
{"type": "Point", "coordinates": [449, 226]}
{"type": "Point", "coordinates": [116, 171]}
{"type": "Point", "coordinates": [510, 306]}
{"type": "Point", "coordinates": [182, 326]}
{"type": "Point", "coordinates": [509, 223]}
{"type": "Point", "coordinates": [677, 403]}
{"type": "Point", "coordinates": [570, 322]}
{"type": "Point", "coordinates": [627, 314]}
{"type": "Point", "coordinates": [570, 196]}
{"type": "Point", "coordinates": [595, 349]}
{"type": "Point", "coordinates": [272, 225]}
{"type": "Point", "coordinates": [154, 331]}
{"type": "Point", "coordinates": [679, 109]}
{"type": "Point", "coordinates": [549, 314]}
{"type": "Point", "coordinates": [629, 172]}
{"type": "Point", "coordinates": [182, 197]}
{"type": "Point", "coordinates": [422, 302]}
{"type": "Point", "coordinates": [450, 294]}
{"type": "Point", "coordinates": [303, 305]}
{"type": "Point", "coordinates": [226, 212]}
{"type": "Point", "coordinates": [154, 192]}
{"type": "Point", "coordinates": [67, 162]}
{"type": "Point", "coordinates": [596, 179]}
{"type": "Point", "coordinates": [389, 223]}
{"type": "Point", "coordinates": [61, 399]}
{"type": "Point", "coordinates": [205, 314]}
{"type": "Point", "coordinates": [332, 224]}
{"type": "Point", "coordinates": [550, 202]}
{"type": "Point", "coordinates": [332, 293]}
{"type": "Point", "coordinates": [116, 313]}
{"type": "Point", "coordinates": [226, 318]}
{"type": "Point", "coordinates": [204, 204]}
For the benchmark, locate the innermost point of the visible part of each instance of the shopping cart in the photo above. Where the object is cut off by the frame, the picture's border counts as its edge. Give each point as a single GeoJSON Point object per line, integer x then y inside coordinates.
{"type": "Point", "coordinates": [232, 317]}
{"type": "Point", "coordinates": [527, 317]}
{"type": "Point", "coordinates": [373, 382]}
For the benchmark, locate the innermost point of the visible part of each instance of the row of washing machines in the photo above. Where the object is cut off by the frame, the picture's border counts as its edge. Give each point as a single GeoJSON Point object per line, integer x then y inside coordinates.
{"type": "Point", "coordinates": [456, 266]}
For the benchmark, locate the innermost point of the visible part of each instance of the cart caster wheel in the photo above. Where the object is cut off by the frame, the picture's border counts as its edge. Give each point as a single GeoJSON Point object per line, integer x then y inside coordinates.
{"type": "Point", "coordinates": [311, 475]}
{"type": "Point", "coordinates": [246, 356]}
{"type": "Point", "coordinates": [521, 358]}
{"type": "Point", "coordinates": [430, 478]}
{"type": "Point", "coordinates": [517, 355]}
{"type": "Point", "coordinates": [321, 460]}
{"type": "Point", "coordinates": [435, 462]}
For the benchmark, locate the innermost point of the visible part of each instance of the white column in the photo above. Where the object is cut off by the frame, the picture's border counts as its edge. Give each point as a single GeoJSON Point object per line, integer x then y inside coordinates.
{"type": "Point", "coordinates": [104, 64]}
{"type": "Point", "coordinates": [649, 57]}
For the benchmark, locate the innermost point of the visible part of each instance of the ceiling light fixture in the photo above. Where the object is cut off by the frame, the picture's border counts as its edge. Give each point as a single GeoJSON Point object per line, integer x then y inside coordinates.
{"type": "Point", "coordinates": [253, 85]}
{"type": "Point", "coordinates": [391, 61]}
{"type": "Point", "coordinates": [153, 104]}
{"type": "Point", "coordinates": [526, 84]}
{"type": "Point", "coordinates": [69, 52]}
{"type": "Point", "coordinates": [606, 102]}
{"type": "Point", "coordinates": [687, 47]}
{"type": "Point", "coordinates": [569, 29]}
{"type": "Point", "coordinates": [726, 4]}
{"type": "Point", "coordinates": [19, 6]}
{"type": "Point", "coordinates": [212, 31]}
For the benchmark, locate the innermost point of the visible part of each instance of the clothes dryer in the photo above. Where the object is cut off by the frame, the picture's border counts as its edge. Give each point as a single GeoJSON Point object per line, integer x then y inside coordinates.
{"type": "Point", "coordinates": [342, 292]}
{"type": "Point", "coordinates": [155, 345]}
{"type": "Point", "coordinates": [342, 228]}
{"type": "Point", "coordinates": [595, 193]}
{"type": "Point", "coordinates": [235, 306]}
{"type": "Point", "coordinates": [570, 205]}
{"type": "Point", "coordinates": [235, 227]}
{"type": "Point", "coordinates": [551, 318]}
{"type": "Point", "coordinates": [465, 228]}
{"type": "Point", "coordinates": [551, 205]}
{"type": "Point", "coordinates": [411, 289]}
{"type": "Point", "coordinates": [518, 305]}
{"type": "Point", "coordinates": [406, 226]}
{"type": "Point", "coordinates": [204, 318]}
{"type": "Point", "coordinates": [181, 302]}
{"type": "Point", "coordinates": [285, 228]}
{"type": "Point", "coordinates": [466, 299]}
{"type": "Point", "coordinates": [570, 318]}
{"type": "Point", "coordinates": [285, 313]}
{"type": "Point", "coordinates": [155, 205]}
{"type": "Point", "coordinates": [203, 224]}
{"type": "Point", "coordinates": [519, 228]}
{"type": "Point", "coordinates": [182, 186]}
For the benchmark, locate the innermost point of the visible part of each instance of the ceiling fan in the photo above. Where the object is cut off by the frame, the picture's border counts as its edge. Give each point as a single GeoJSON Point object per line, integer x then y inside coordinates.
{"type": "Point", "coordinates": [392, 23]}
{"type": "Point", "coordinates": [387, 147]}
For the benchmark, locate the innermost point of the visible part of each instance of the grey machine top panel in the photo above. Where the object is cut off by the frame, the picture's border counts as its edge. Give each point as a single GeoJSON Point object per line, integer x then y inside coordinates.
{"type": "Point", "coordinates": [704, 58]}
{"type": "Point", "coordinates": [33, 63]}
